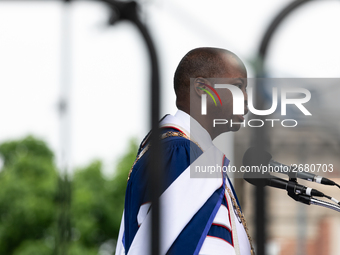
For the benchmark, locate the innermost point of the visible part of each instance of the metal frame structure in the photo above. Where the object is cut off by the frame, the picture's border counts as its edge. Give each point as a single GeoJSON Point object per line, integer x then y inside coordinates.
{"type": "Point", "coordinates": [259, 135]}
{"type": "Point", "coordinates": [128, 11]}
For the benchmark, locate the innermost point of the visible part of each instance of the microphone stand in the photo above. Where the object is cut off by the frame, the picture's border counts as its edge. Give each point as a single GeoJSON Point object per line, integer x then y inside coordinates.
{"type": "Point", "coordinates": [314, 201]}
{"type": "Point", "coordinates": [308, 200]}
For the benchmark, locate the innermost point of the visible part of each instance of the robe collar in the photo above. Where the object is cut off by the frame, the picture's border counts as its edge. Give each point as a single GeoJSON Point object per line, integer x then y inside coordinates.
{"type": "Point", "coordinates": [190, 127]}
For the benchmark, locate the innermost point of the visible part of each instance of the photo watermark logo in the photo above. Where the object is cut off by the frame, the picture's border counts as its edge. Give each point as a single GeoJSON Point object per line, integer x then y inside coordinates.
{"type": "Point", "coordinates": [238, 104]}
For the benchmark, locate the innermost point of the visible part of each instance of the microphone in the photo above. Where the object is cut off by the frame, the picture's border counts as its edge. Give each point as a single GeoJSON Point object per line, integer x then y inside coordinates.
{"type": "Point", "coordinates": [269, 180]}
{"type": "Point", "coordinates": [257, 156]}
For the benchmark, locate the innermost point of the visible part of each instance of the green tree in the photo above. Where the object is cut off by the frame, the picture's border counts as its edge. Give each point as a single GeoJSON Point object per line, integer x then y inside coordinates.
{"type": "Point", "coordinates": [98, 203]}
{"type": "Point", "coordinates": [31, 196]}
{"type": "Point", "coordinates": [27, 193]}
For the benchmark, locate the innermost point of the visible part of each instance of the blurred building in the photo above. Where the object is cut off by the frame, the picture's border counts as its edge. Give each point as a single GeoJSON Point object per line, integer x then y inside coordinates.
{"type": "Point", "coordinates": [295, 228]}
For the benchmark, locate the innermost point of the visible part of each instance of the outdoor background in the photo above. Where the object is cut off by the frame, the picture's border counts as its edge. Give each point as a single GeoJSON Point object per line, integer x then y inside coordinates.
{"type": "Point", "coordinates": [45, 46]}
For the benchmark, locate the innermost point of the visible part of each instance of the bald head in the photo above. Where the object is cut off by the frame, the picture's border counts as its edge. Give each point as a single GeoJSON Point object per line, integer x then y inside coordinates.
{"type": "Point", "coordinates": [206, 63]}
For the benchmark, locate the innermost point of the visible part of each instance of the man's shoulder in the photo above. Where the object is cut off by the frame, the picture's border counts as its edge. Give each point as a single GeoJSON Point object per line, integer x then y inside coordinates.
{"type": "Point", "coordinates": [177, 150]}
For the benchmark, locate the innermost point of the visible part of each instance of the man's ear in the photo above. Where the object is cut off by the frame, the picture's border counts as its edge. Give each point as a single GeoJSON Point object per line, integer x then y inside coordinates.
{"type": "Point", "coordinates": [200, 85]}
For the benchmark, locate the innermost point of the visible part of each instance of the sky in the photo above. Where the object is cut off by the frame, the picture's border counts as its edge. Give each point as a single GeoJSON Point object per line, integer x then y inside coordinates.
{"type": "Point", "coordinates": [109, 69]}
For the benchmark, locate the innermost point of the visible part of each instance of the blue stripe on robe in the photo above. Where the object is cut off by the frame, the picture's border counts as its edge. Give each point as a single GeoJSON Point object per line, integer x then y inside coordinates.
{"type": "Point", "coordinates": [221, 232]}
{"type": "Point", "coordinates": [188, 239]}
{"type": "Point", "coordinates": [217, 231]}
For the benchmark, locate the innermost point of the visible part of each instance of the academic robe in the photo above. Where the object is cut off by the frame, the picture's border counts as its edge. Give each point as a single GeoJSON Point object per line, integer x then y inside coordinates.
{"type": "Point", "coordinates": [198, 216]}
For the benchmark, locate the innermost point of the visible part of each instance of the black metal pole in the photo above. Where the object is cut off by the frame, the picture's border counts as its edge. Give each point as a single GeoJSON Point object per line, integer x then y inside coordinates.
{"type": "Point", "coordinates": [262, 53]}
{"type": "Point", "coordinates": [260, 140]}
{"type": "Point", "coordinates": [155, 173]}
{"type": "Point", "coordinates": [128, 11]}
{"type": "Point", "coordinates": [260, 137]}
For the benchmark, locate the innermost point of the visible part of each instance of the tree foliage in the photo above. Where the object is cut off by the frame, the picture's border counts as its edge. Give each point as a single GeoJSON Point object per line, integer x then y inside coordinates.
{"type": "Point", "coordinates": [30, 201]}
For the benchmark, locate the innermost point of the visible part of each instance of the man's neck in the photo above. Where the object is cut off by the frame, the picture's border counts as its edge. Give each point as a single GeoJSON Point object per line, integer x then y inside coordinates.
{"type": "Point", "coordinates": [205, 124]}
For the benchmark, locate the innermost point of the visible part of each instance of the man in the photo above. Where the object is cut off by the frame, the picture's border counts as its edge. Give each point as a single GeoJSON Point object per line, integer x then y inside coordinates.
{"type": "Point", "coordinates": [199, 215]}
